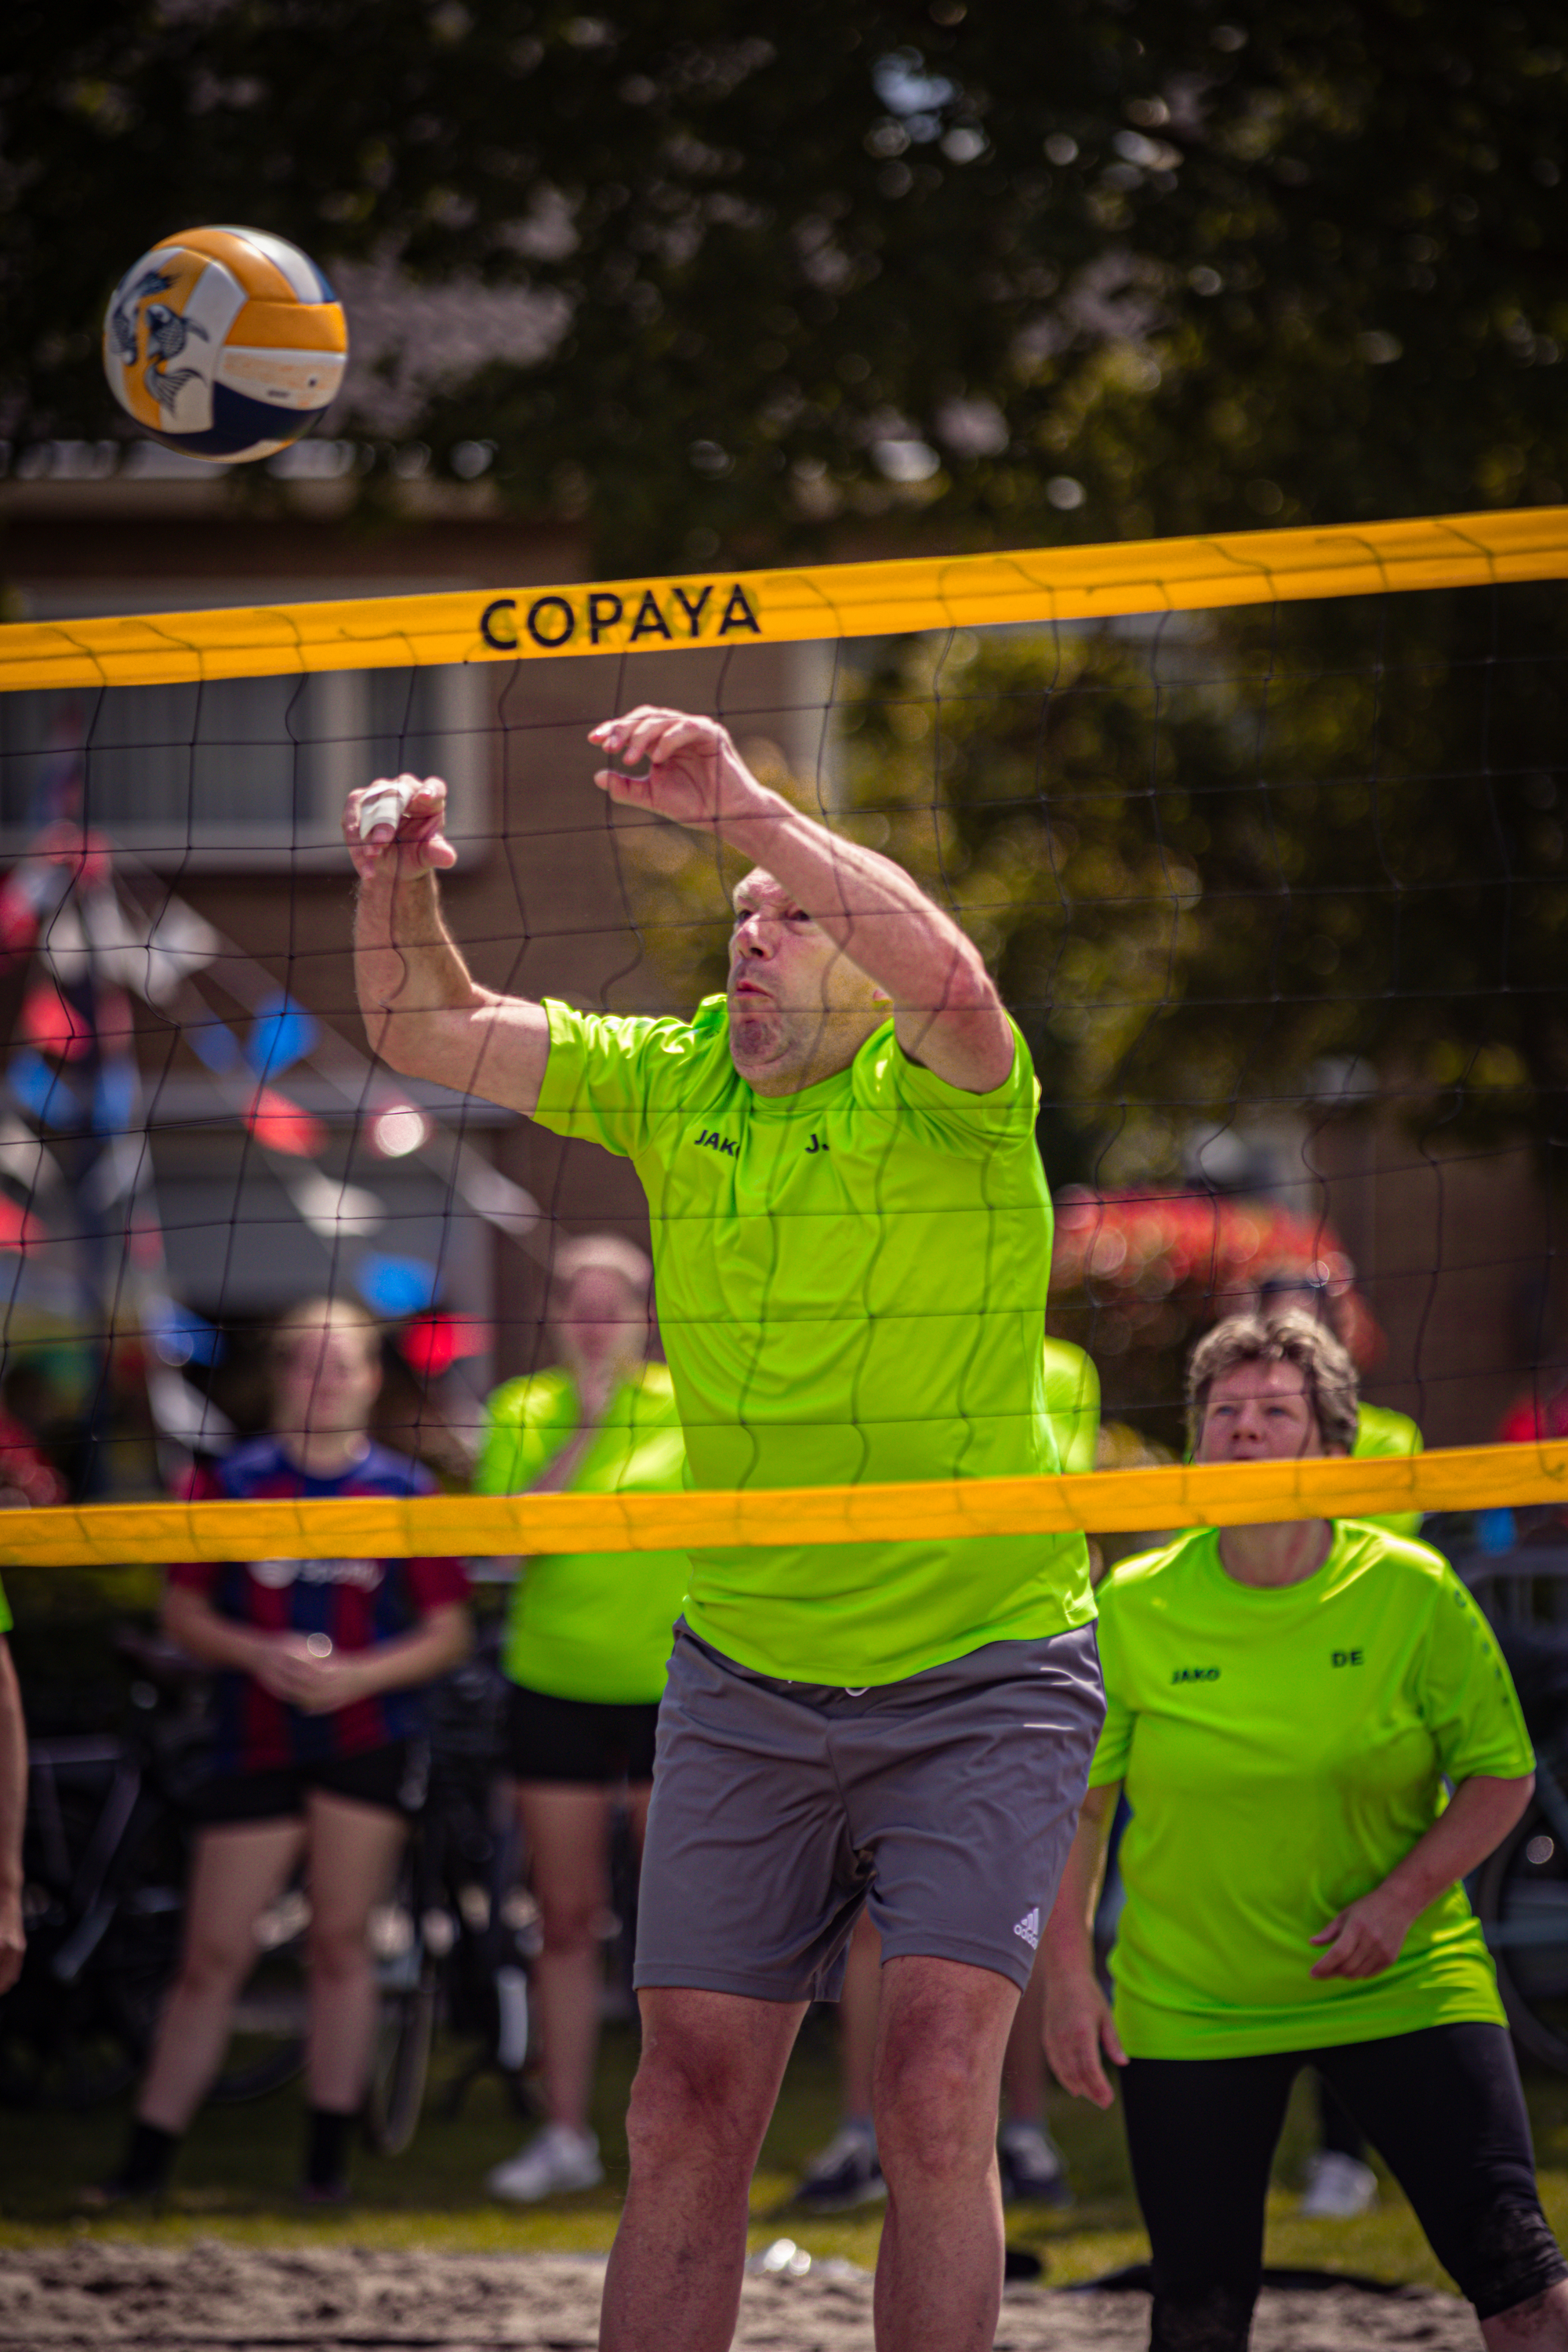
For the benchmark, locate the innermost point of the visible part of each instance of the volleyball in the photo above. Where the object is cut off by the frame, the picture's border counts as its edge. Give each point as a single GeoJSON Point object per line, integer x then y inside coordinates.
{"type": "Point", "coordinates": [224, 342]}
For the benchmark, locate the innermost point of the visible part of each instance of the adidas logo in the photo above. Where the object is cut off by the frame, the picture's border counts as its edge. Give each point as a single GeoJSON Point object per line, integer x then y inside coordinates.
{"type": "Point", "coordinates": [1028, 1928]}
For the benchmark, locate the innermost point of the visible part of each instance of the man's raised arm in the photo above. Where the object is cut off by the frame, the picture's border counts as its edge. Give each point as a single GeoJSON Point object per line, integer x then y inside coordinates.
{"type": "Point", "coordinates": [424, 1010]}
{"type": "Point", "coordinates": [947, 1014]}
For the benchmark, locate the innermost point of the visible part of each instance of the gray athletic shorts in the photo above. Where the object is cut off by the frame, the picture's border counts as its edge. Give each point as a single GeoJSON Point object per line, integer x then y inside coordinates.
{"type": "Point", "coordinates": [947, 1803]}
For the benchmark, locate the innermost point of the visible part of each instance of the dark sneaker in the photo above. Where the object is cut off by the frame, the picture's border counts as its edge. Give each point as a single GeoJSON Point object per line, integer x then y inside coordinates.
{"type": "Point", "coordinates": [846, 2174]}
{"type": "Point", "coordinates": [1032, 2169]}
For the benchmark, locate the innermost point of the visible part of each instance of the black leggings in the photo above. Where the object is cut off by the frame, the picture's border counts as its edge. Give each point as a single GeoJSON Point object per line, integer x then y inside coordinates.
{"type": "Point", "coordinates": [1444, 2106]}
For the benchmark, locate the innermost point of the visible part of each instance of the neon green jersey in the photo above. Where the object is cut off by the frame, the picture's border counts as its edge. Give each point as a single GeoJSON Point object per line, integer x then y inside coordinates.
{"type": "Point", "coordinates": [596, 1624]}
{"type": "Point", "coordinates": [1379, 1431]}
{"type": "Point", "coordinates": [1282, 1749]}
{"type": "Point", "coordinates": [851, 1287]}
{"type": "Point", "coordinates": [1072, 1400]}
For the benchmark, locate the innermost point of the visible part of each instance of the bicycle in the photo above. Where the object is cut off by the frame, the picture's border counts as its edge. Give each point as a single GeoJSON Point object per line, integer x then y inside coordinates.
{"type": "Point", "coordinates": [454, 1943]}
{"type": "Point", "coordinates": [106, 1853]}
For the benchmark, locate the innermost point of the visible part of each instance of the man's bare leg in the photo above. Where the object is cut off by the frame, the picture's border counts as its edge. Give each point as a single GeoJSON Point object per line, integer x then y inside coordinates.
{"type": "Point", "coordinates": [711, 2065]}
{"type": "Point", "coordinates": [942, 2031]}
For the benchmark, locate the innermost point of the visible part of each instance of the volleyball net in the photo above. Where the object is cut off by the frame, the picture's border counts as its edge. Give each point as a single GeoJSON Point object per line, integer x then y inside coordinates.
{"type": "Point", "coordinates": [1262, 834]}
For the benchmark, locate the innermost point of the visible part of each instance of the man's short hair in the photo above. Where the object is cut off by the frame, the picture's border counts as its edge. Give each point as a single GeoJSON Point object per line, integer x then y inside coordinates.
{"type": "Point", "coordinates": [1327, 1373]}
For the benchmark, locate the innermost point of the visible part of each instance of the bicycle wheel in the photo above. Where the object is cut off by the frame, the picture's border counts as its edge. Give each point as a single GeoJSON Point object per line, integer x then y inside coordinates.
{"type": "Point", "coordinates": [77, 2027]}
{"type": "Point", "coordinates": [1522, 1901]}
{"type": "Point", "coordinates": [401, 2058]}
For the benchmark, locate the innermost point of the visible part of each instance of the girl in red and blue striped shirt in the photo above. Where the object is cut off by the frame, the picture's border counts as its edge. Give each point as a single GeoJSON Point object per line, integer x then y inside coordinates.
{"type": "Point", "coordinates": [318, 1670]}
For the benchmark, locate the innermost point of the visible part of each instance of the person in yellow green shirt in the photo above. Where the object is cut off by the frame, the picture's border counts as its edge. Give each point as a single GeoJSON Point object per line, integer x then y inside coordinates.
{"type": "Point", "coordinates": [1072, 1400]}
{"type": "Point", "coordinates": [851, 1231]}
{"type": "Point", "coordinates": [1380, 1430]}
{"type": "Point", "coordinates": [1285, 1705]}
{"type": "Point", "coordinates": [586, 1648]}
{"type": "Point", "coordinates": [13, 1808]}
{"type": "Point", "coordinates": [1340, 2182]}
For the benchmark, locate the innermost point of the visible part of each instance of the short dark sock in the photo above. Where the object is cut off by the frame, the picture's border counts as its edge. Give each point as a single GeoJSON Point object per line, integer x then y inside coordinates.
{"type": "Point", "coordinates": [149, 2158]}
{"type": "Point", "coordinates": [327, 2149]}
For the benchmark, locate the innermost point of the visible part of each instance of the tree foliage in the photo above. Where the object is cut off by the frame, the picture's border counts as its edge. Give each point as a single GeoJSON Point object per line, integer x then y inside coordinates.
{"type": "Point", "coordinates": [1306, 262]}
{"type": "Point", "coordinates": [1227, 869]}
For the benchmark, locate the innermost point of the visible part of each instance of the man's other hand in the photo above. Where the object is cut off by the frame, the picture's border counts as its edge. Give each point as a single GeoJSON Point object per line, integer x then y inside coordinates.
{"type": "Point", "coordinates": [695, 775]}
{"type": "Point", "coordinates": [403, 816]}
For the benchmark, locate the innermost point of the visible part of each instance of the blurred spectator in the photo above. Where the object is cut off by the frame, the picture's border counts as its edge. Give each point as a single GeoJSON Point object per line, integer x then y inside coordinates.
{"type": "Point", "coordinates": [27, 1483]}
{"type": "Point", "coordinates": [587, 1644]}
{"type": "Point", "coordinates": [13, 1808]}
{"type": "Point", "coordinates": [318, 1754]}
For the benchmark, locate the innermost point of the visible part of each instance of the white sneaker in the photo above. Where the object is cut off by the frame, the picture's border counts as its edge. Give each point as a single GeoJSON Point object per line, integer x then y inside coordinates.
{"type": "Point", "coordinates": [846, 2174]}
{"type": "Point", "coordinates": [1339, 2188]}
{"type": "Point", "coordinates": [1031, 2167]}
{"type": "Point", "coordinates": [558, 2159]}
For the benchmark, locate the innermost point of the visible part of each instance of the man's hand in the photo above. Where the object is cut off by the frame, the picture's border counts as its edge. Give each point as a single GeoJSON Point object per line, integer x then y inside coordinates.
{"type": "Point", "coordinates": [1365, 1938]}
{"type": "Point", "coordinates": [695, 775]}
{"type": "Point", "coordinates": [395, 824]}
{"type": "Point", "coordinates": [1078, 2026]}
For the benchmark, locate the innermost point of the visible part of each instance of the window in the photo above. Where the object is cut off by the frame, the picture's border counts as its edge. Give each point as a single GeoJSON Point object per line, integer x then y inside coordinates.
{"type": "Point", "coordinates": [227, 771]}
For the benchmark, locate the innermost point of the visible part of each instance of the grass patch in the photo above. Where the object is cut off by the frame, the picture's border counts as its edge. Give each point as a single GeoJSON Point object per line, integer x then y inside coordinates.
{"type": "Point", "coordinates": [237, 2173]}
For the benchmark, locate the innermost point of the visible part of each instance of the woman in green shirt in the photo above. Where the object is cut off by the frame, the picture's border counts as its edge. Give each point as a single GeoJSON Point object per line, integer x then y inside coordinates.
{"type": "Point", "coordinates": [588, 1642]}
{"type": "Point", "coordinates": [1285, 1704]}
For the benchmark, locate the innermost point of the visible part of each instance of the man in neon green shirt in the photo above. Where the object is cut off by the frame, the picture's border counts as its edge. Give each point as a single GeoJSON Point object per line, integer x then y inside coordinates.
{"type": "Point", "coordinates": [13, 1808]}
{"type": "Point", "coordinates": [1285, 1703]}
{"type": "Point", "coordinates": [851, 1236]}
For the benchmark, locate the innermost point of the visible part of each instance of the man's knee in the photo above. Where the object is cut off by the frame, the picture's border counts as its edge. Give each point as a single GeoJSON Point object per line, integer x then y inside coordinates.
{"type": "Point", "coordinates": [690, 2100]}
{"type": "Point", "coordinates": [936, 2102]}
{"type": "Point", "coordinates": [943, 2032]}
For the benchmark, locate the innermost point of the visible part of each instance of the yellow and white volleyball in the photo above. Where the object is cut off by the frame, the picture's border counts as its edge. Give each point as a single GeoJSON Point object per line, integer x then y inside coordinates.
{"type": "Point", "coordinates": [224, 342]}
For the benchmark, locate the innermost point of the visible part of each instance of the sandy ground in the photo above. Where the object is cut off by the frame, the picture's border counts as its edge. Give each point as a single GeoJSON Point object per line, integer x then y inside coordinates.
{"type": "Point", "coordinates": [189, 2298]}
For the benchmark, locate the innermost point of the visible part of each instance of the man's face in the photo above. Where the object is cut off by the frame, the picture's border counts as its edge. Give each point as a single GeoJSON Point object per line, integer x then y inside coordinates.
{"type": "Point", "coordinates": [1260, 1412]}
{"type": "Point", "coordinates": [799, 1010]}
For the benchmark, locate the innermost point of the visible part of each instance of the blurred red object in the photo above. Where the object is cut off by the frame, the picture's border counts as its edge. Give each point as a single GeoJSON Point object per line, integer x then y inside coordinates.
{"type": "Point", "coordinates": [1140, 1248]}
{"type": "Point", "coordinates": [1535, 1416]}
{"type": "Point", "coordinates": [50, 1022]}
{"type": "Point", "coordinates": [432, 1344]}
{"type": "Point", "coordinates": [26, 1478]}
{"type": "Point", "coordinates": [18, 1227]}
{"type": "Point", "coordinates": [283, 1126]}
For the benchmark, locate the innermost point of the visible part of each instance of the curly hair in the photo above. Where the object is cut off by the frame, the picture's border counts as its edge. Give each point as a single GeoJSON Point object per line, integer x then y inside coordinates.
{"type": "Point", "coordinates": [1326, 1369]}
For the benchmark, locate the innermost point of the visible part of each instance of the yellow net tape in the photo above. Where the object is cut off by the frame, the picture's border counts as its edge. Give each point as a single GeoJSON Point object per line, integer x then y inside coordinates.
{"type": "Point", "coordinates": [842, 600]}
{"type": "Point", "coordinates": [1463, 1478]}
